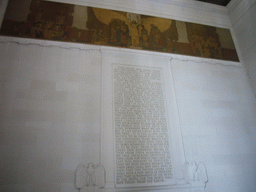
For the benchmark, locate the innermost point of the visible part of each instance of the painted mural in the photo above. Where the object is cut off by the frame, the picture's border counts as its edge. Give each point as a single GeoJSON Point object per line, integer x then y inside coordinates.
{"type": "Point", "coordinates": [73, 23]}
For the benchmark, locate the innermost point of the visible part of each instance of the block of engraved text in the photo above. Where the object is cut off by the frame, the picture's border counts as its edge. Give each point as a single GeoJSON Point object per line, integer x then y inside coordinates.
{"type": "Point", "coordinates": [142, 142]}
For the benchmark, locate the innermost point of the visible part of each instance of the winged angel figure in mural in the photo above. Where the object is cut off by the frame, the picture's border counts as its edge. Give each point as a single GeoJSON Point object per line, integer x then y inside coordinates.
{"type": "Point", "coordinates": [90, 177]}
{"type": "Point", "coordinates": [144, 31]}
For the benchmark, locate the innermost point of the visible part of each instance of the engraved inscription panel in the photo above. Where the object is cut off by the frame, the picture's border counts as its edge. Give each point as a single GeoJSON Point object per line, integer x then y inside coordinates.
{"type": "Point", "coordinates": [142, 142]}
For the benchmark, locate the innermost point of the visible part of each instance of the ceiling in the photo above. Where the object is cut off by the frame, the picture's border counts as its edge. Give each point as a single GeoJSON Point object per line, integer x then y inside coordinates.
{"type": "Point", "coordinates": [217, 2]}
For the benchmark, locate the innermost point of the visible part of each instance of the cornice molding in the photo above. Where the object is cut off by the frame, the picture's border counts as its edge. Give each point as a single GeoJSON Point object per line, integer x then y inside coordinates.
{"type": "Point", "coordinates": [87, 47]}
{"type": "Point", "coordinates": [125, 3]}
{"type": "Point", "coordinates": [237, 8]}
{"type": "Point", "coordinates": [242, 19]}
{"type": "Point", "coordinates": [182, 10]}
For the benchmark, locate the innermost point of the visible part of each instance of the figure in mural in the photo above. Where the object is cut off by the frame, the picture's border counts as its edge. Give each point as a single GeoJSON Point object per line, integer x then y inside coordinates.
{"type": "Point", "coordinates": [124, 32]}
{"type": "Point", "coordinates": [38, 30]}
{"type": "Point", "coordinates": [118, 33]}
{"type": "Point", "coordinates": [155, 39]}
{"type": "Point", "coordinates": [212, 48]}
{"type": "Point", "coordinates": [204, 40]}
{"type": "Point", "coordinates": [36, 22]}
{"type": "Point", "coordinates": [143, 37]}
{"type": "Point", "coordinates": [101, 37]}
{"type": "Point", "coordinates": [134, 33]}
{"type": "Point", "coordinates": [58, 30]}
{"type": "Point", "coordinates": [197, 45]}
{"type": "Point", "coordinates": [113, 25]}
{"type": "Point", "coordinates": [54, 21]}
{"type": "Point", "coordinates": [43, 24]}
{"type": "Point", "coordinates": [48, 27]}
{"type": "Point", "coordinates": [172, 36]}
{"type": "Point", "coordinates": [93, 36]}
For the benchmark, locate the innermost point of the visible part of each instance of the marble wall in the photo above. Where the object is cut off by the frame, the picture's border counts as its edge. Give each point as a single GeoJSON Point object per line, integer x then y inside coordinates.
{"type": "Point", "coordinates": [50, 115]}
{"type": "Point", "coordinates": [217, 115]}
{"type": "Point", "coordinates": [51, 107]}
{"type": "Point", "coordinates": [243, 18]}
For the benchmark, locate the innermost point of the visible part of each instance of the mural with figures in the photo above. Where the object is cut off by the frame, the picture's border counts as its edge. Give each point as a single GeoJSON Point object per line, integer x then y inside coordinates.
{"type": "Point", "coordinates": [81, 24]}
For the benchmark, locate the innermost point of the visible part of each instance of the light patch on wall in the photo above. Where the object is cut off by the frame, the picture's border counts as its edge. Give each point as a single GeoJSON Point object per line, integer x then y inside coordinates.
{"type": "Point", "coordinates": [134, 17]}
{"type": "Point", "coordinates": [80, 17]}
{"type": "Point", "coordinates": [226, 40]}
{"type": "Point", "coordinates": [182, 31]}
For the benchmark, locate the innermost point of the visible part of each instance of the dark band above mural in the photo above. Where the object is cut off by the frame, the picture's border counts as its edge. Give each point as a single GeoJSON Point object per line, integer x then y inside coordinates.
{"type": "Point", "coordinates": [73, 23]}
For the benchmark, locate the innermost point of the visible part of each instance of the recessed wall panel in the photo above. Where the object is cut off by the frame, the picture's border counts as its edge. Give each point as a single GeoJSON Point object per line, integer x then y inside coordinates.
{"type": "Point", "coordinates": [142, 143]}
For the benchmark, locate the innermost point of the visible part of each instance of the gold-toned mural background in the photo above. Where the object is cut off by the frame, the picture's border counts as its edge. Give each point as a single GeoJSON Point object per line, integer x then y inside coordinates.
{"type": "Point", "coordinates": [73, 23]}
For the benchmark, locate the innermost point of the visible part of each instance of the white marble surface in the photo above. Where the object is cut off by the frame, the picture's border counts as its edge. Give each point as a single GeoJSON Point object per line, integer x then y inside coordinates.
{"type": "Point", "coordinates": [52, 118]}
{"type": "Point", "coordinates": [243, 18]}
{"type": "Point", "coordinates": [139, 60]}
